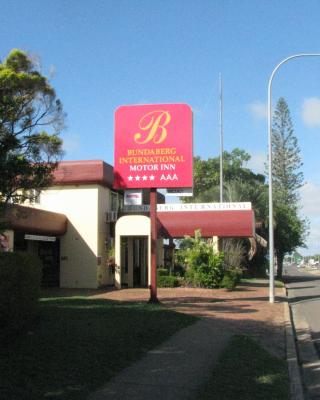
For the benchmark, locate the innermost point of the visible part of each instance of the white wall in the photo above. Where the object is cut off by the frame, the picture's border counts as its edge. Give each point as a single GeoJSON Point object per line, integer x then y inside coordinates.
{"type": "Point", "coordinates": [81, 245]}
{"type": "Point", "coordinates": [105, 277]}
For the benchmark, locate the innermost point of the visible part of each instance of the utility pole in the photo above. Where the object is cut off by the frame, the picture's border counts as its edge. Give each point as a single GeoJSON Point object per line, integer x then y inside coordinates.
{"type": "Point", "coordinates": [221, 139]}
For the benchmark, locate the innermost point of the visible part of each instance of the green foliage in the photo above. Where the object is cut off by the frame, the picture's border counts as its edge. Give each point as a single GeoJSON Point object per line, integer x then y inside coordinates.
{"type": "Point", "coordinates": [290, 228]}
{"type": "Point", "coordinates": [228, 282]}
{"type": "Point", "coordinates": [164, 279]}
{"type": "Point", "coordinates": [206, 175]}
{"type": "Point", "coordinates": [169, 281]}
{"type": "Point", "coordinates": [179, 270]}
{"type": "Point", "coordinates": [20, 279]}
{"type": "Point", "coordinates": [290, 231]}
{"type": "Point", "coordinates": [204, 266]}
{"type": "Point", "coordinates": [286, 161]}
{"type": "Point", "coordinates": [251, 190]}
{"type": "Point", "coordinates": [162, 272]}
{"type": "Point", "coordinates": [231, 278]}
{"type": "Point", "coordinates": [28, 105]}
{"type": "Point", "coordinates": [180, 255]}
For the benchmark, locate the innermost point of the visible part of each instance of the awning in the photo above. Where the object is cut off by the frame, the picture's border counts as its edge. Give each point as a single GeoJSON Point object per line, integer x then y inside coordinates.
{"type": "Point", "coordinates": [235, 223]}
{"type": "Point", "coordinates": [33, 220]}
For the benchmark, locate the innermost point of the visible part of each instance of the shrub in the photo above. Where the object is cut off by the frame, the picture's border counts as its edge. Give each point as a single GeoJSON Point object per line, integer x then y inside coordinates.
{"type": "Point", "coordinates": [238, 272]}
{"type": "Point", "coordinates": [228, 282]}
{"type": "Point", "coordinates": [179, 270]}
{"type": "Point", "coordinates": [162, 272]}
{"type": "Point", "coordinates": [167, 281]}
{"type": "Point", "coordinates": [204, 266]}
{"type": "Point", "coordinates": [231, 278]}
{"type": "Point", "coordinates": [20, 280]}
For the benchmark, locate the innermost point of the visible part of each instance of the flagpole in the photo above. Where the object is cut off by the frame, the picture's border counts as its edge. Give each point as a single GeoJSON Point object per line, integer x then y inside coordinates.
{"type": "Point", "coordinates": [221, 139]}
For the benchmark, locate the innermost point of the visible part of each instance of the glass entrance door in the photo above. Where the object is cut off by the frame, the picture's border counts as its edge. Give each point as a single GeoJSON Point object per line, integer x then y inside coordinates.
{"type": "Point", "coordinates": [140, 261]}
{"type": "Point", "coordinates": [134, 261]}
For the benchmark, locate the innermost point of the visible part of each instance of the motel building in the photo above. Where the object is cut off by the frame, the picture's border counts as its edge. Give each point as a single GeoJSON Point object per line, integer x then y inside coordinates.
{"type": "Point", "coordinates": [73, 224]}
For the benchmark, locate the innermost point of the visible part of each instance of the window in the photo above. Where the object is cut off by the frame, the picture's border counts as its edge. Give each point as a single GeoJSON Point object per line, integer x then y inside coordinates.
{"type": "Point", "coordinates": [113, 201]}
{"type": "Point", "coordinates": [120, 202]}
{"type": "Point", "coordinates": [116, 201]}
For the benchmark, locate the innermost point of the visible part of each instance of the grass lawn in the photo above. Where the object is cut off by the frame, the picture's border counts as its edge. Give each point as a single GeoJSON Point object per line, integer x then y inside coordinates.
{"type": "Point", "coordinates": [78, 344]}
{"type": "Point", "coordinates": [246, 371]}
{"type": "Point", "coordinates": [277, 283]}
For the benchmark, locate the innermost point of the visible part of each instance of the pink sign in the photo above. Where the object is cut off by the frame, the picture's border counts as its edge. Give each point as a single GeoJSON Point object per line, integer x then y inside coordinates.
{"type": "Point", "coordinates": [153, 146]}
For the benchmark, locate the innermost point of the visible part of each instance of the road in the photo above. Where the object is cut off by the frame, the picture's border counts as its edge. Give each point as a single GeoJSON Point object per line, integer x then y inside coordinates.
{"type": "Point", "coordinates": [303, 289]}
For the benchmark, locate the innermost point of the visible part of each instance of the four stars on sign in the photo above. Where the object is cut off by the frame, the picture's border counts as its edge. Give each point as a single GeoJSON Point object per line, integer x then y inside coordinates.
{"type": "Point", "coordinates": [138, 178]}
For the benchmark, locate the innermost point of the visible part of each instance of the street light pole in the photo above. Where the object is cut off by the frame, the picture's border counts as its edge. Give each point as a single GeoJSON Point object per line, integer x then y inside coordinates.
{"type": "Point", "coordinates": [271, 233]}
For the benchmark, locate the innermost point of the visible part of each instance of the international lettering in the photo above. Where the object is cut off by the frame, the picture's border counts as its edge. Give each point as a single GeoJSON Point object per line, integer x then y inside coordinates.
{"type": "Point", "coordinates": [152, 160]}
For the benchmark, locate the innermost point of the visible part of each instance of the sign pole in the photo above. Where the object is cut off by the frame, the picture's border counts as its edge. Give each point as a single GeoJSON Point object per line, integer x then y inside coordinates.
{"type": "Point", "coordinates": [153, 220]}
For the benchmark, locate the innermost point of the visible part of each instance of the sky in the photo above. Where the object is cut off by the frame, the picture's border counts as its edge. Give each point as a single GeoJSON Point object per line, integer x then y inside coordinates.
{"type": "Point", "coordinates": [101, 54]}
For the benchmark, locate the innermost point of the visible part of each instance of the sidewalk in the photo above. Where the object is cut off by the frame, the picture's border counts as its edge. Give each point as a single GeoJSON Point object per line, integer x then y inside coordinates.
{"type": "Point", "coordinates": [179, 367]}
{"type": "Point", "coordinates": [300, 293]}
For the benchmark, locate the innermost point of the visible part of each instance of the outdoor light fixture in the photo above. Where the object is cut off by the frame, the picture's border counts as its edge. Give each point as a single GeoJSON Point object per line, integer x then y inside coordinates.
{"type": "Point", "coordinates": [271, 234]}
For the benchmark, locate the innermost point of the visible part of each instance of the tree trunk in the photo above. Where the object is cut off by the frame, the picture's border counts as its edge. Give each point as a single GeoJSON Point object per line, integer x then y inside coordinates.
{"type": "Point", "coordinates": [280, 265]}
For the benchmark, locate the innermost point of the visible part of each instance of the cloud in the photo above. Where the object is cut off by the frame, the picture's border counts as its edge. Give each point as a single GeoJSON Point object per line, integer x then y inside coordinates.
{"type": "Point", "coordinates": [313, 240]}
{"type": "Point", "coordinates": [258, 110]}
{"type": "Point", "coordinates": [311, 111]}
{"type": "Point", "coordinates": [52, 71]}
{"type": "Point", "coordinates": [310, 194]}
{"type": "Point", "coordinates": [257, 162]}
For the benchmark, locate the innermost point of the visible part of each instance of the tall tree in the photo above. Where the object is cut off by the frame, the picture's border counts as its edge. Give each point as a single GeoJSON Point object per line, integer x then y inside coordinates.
{"type": "Point", "coordinates": [290, 228]}
{"type": "Point", "coordinates": [31, 119]}
{"type": "Point", "coordinates": [286, 174]}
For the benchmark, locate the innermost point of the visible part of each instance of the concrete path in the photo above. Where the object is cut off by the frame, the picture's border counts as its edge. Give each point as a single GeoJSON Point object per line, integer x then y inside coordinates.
{"type": "Point", "coordinates": [180, 366]}
{"type": "Point", "coordinates": [172, 371]}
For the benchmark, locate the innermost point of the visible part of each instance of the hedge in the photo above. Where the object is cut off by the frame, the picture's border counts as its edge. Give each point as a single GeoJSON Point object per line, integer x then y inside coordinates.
{"type": "Point", "coordinates": [167, 281]}
{"type": "Point", "coordinates": [20, 281]}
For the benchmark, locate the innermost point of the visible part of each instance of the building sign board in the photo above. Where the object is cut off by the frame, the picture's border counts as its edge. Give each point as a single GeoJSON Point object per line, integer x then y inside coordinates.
{"type": "Point", "coordinates": [192, 207]}
{"type": "Point", "coordinates": [132, 197]}
{"type": "Point", "coordinates": [40, 238]}
{"type": "Point", "coordinates": [153, 146]}
{"type": "Point", "coordinates": [180, 192]}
